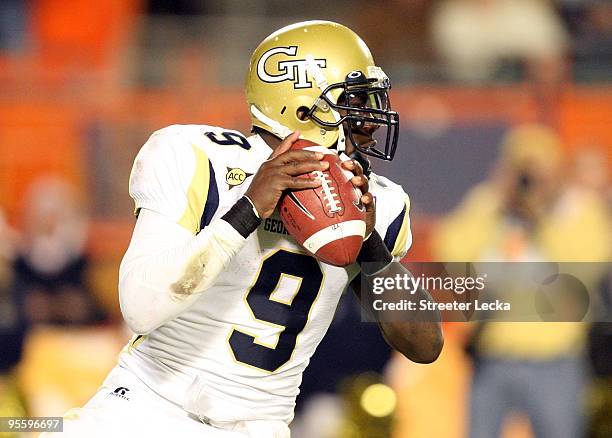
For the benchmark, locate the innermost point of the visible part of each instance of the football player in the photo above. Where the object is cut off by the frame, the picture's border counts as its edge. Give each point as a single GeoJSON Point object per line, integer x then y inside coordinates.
{"type": "Point", "coordinates": [227, 308]}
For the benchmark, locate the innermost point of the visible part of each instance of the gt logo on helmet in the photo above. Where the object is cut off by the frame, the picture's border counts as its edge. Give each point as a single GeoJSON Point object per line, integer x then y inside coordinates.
{"type": "Point", "coordinates": [294, 70]}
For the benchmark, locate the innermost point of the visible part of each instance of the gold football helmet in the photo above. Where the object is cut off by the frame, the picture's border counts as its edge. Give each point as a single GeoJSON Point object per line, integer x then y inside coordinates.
{"type": "Point", "coordinates": [316, 77]}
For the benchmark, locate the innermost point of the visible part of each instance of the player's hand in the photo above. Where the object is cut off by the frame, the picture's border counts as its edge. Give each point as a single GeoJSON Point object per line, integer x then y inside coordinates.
{"type": "Point", "coordinates": [285, 169]}
{"type": "Point", "coordinates": [362, 183]}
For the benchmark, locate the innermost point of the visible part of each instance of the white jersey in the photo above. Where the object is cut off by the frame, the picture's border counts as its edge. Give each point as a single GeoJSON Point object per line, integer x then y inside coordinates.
{"type": "Point", "coordinates": [239, 351]}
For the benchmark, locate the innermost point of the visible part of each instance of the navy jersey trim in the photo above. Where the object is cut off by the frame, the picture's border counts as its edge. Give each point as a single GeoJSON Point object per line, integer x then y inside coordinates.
{"type": "Point", "coordinates": [394, 229]}
{"type": "Point", "coordinates": [212, 202]}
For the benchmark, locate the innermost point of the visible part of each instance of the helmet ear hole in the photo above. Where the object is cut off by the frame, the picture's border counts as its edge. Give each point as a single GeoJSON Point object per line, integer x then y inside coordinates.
{"type": "Point", "coordinates": [302, 113]}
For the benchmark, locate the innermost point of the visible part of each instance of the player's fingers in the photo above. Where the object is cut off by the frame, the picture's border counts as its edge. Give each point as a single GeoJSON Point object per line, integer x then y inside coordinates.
{"type": "Point", "coordinates": [300, 167]}
{"type": "Point", "coordinates": [361, 181]}
{"type": "Point", "coordinates": [368, 201]}
{"type": "Point", "coordinates": [353, 166]}
{"type": "Point", "coordinates": [285, 144]}
{"type": "Point", "coordinates": [300, 183]}
{"type": "Point", "coordinates": [297, 155]}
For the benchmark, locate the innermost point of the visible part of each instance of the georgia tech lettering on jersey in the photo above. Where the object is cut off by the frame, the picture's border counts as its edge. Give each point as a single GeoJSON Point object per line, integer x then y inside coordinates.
{"type": "Point", "coordinates": [294, 70]}
{"type": "Point", "coordinates": [275, 226]}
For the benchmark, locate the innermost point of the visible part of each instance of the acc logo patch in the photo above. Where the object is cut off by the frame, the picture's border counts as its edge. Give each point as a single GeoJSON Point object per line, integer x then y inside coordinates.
{"type": "Point", "coordinates": [236, 176]}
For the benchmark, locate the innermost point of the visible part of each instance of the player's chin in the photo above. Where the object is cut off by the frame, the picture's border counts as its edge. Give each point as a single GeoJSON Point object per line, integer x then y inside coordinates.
{"type": "Point", "coordinates": [364, 141]}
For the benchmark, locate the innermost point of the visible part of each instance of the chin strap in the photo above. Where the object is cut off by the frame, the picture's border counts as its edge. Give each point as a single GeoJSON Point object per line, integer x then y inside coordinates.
{"type": "Point", "coordinates": [317, 75]}
{"type": "Point", "coordinates": [281, 131]}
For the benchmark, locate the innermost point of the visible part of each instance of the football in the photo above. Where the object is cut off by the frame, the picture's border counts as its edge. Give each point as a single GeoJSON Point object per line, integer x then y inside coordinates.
{"type": "Point", "coordinates": [329, 221]}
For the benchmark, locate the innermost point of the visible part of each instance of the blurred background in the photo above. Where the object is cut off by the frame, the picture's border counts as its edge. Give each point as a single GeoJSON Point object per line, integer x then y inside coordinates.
{"type": "Point", "coordinates": [505, 151]}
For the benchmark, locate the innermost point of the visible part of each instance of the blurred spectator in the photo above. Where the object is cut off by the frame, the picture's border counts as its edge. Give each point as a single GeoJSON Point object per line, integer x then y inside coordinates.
{"type": "Point", "coordinates": [51, 266]}
{"type": "Point", "coordinates": [483, 40]}
{"type": "Point", "coordinates": [527, 213]}
{"type": "Point", "coordinates": [474, 37]}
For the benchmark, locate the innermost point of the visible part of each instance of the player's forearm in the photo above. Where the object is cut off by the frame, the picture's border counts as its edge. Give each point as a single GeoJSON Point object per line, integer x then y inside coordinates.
{"type": "Point", "coordinates": [156, 287]}
{"type": "Point", "coordinates": [160, 279]}
{"type": "Point", "coordinates": [418, 337]}
{"type": "Point", "coordinates": [420, 342]}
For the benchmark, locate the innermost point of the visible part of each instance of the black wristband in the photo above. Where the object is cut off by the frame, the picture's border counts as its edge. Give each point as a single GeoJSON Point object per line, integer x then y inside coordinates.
{"type": "Point", "coordinates": [242, 217]}
{"type": "Point", "coordinates": [374, 254]}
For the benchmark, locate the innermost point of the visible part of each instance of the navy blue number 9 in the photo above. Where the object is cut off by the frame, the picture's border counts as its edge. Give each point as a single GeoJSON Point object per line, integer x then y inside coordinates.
{"type": "Point", "coordinates": [228, 139]}
{"type": "Point", "coordinates": [292, 315]}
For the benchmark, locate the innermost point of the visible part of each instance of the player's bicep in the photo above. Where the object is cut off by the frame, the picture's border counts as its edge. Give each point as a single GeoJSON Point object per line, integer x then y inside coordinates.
{"type": "Point", "coordinates": [153, 233]}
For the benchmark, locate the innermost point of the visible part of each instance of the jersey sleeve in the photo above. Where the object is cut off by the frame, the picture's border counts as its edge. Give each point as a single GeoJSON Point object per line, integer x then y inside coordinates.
{"type": "Point", "coordinates": [392, 215]}
{"type": "Point", "coordinates": [176, 179]}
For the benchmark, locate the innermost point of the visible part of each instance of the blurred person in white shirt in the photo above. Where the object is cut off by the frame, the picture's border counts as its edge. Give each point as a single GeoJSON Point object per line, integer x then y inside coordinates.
{"type": "Point", "coordinates": [474, 36]}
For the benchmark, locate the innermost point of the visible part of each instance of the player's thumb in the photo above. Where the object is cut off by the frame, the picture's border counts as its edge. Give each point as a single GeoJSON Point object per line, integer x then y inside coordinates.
{"type": "Point", "coordinates": [286, 144]}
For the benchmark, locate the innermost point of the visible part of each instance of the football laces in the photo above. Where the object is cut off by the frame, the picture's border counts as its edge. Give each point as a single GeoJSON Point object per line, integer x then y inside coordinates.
{"type": "Point", "coordinates": [332, 203]}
